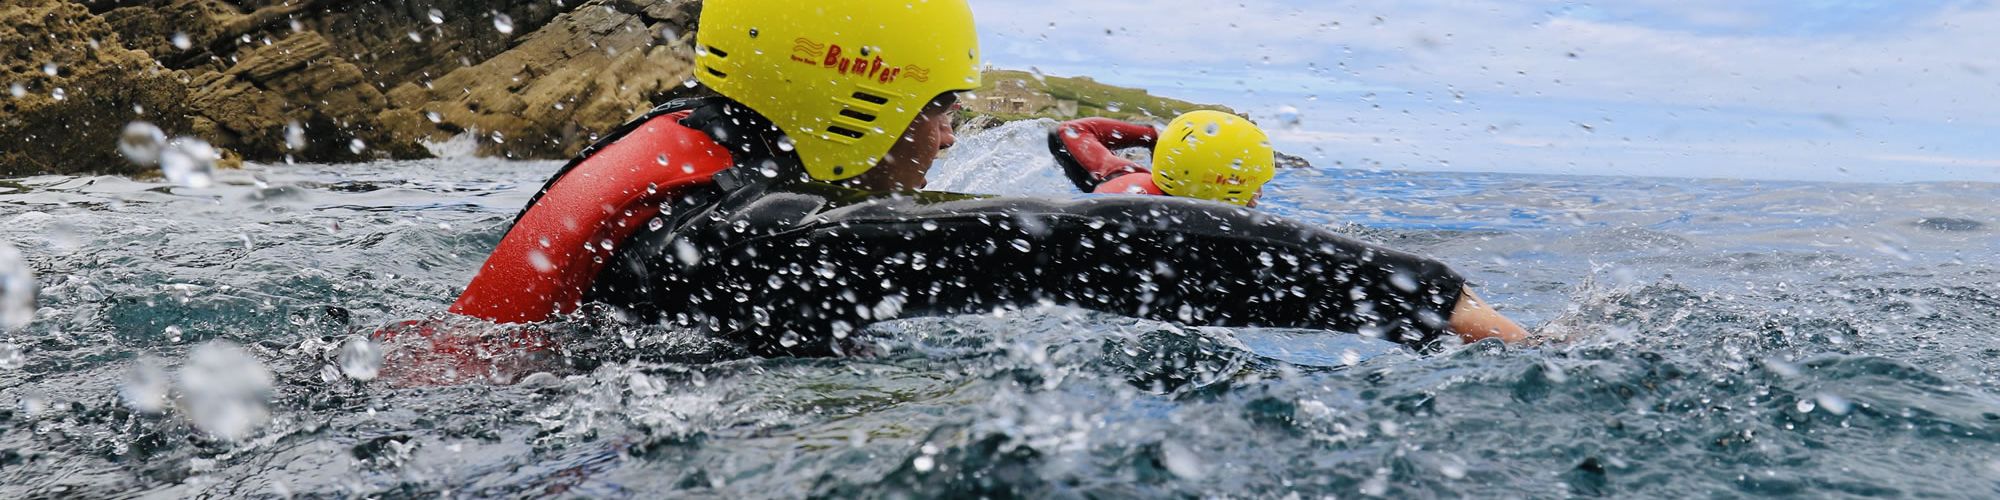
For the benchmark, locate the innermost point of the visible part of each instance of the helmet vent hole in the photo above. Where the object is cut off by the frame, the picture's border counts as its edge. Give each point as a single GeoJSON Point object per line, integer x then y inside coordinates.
{"type": "Point", "coordinates": [857, 115]}
{"type": "Point", "coordinates": [878, 100]}
{"type": "Point", "coordinates": [844, 131]}
{"type": "Point", "coordinates": [718, 52]}
{"type": "Point", "coordinates": [717, 73]}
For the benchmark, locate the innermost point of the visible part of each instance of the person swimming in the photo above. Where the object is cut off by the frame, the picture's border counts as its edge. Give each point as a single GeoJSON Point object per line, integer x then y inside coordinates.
{"type": "Point", "coordinates": [1205, 154]}
{"type": "Point", "coordinates": [784, 213]}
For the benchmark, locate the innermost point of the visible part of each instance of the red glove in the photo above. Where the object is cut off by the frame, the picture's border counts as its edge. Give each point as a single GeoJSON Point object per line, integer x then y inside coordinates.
{"type": "Point", "coordinates": [1084, 148]}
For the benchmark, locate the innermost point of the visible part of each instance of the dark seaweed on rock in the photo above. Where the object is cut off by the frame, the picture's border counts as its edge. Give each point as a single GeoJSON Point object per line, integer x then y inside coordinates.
{"type": "Point", "coordinates": [392, 74]}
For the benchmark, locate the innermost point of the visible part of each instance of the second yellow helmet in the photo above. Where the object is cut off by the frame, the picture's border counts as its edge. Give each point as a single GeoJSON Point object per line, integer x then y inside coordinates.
{"type": "Point", "coordinates": [842, 78]}
{"type": "Point", "coordinates": [1215, 156]}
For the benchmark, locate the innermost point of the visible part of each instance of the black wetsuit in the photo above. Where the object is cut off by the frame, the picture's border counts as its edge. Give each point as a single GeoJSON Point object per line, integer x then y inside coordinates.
{"type": "Point", "coordinates": [785, 265]}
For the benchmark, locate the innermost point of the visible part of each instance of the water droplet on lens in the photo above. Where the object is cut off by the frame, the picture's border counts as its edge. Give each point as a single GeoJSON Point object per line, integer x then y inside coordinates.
{"type": "Point", "coordinates": [181, 41]}
{"type": "Point", "coordinates": [1404, 281]}
{"type": "Point", "coordinates": [434, 117]}
{"type": "Point", "coordinates": [50, 69]}
{"type": "Point", "coordinates": [1834, 404]}
{"type": "Point", "coordinates": [1453, 471]}
{"type": "Point", "coordinates": [1377, 485]}
{"type": "Point", "coordinates": [1213, 129]}
{"type": "Point", "coordinates": [785, 144]}
{"type": "Point", "coordinates": [686, 253]}
{"type": "Point", "coordinates": [436, 16]}
{"type": "Point", "coordinates": [295, 136]}
{"type": "Point", "coordinates": [17, 90]}
{"type": "Point", "coordinates": [225, 390]}
{"type": "Point", "coordinates": [190, 162]}
{"type": "Point", "coordinates": [141, 143]}
{"type": "Point", "coordinates": [1182, 461]}
{"type": "Point", "coordinates": [503, 22]}
{"type": "Point", "coordinates": [1290, 118]}
{"type": "Point", "coordinates": [540, 261]}
{"type": "Point", "coordinates": [17, 290]}
{"type": "Point", "coordinates": [59, 94]}
{"type": "Point", "coordinates": [357, 146]}
{"type": "Point", "coordinates": [1806, 406]}
{"type": "Point", "coordinates": [1781, 368]}
{"type": "Point", "coordinates": [145, 387]}
{"type": "Point", "coordinates": [11, 356]}
{"type": "Point", "coordinates": [360, 359]}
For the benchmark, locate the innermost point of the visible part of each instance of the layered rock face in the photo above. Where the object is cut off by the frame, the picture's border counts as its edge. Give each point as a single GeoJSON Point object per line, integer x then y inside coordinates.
{"type": "Point", "coordinates": [362, 79]}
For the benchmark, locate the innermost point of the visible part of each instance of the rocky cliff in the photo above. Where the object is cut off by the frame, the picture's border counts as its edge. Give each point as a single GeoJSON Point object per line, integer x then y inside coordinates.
{"type": "Point", "coordinates": [360, 79]}
{"type": "Point", "coordinates": [353, 80]}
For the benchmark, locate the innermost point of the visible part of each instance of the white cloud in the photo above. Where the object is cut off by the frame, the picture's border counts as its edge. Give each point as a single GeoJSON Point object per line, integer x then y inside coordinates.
{"type": "Point", "coordinates": [1716, 84]}
{"type": "Point", "coordinates": [1929, 71]}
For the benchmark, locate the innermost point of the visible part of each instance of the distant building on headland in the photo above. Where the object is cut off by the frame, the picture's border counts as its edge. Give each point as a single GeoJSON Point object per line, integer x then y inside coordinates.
{"type": "Point", "coordinates": [1013, 97]}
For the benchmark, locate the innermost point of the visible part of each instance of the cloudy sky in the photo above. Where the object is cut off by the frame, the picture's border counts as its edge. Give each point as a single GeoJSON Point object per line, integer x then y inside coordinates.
{"type": "Point", "coordinates": [1851, 90]}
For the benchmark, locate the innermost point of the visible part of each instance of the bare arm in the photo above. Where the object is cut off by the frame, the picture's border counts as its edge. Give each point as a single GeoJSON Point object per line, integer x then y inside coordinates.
{"type": "Point", "coordinates": [1475, 320]}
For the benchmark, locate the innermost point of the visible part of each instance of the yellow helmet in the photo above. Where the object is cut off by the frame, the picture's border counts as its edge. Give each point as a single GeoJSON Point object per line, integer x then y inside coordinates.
{"type": "Point", "coordinates": [1213, 155]}
{"type": "Point", "coordinates": [842, 78]}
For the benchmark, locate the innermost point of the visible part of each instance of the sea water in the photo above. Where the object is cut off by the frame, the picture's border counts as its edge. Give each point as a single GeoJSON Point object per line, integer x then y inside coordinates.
{"type": "Point", "coordinates": [1710, 338]}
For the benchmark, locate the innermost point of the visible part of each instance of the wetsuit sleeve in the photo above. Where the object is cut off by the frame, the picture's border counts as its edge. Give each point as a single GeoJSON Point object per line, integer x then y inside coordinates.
{"type": "Point", "coordinates": [1085, 148]}
{"type": "Point", "coordinates": [801, 290]}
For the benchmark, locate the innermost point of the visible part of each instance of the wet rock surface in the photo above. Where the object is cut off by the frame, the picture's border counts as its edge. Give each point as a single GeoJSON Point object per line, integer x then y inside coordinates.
{"type": "Point", "coordinates": [364, 80]}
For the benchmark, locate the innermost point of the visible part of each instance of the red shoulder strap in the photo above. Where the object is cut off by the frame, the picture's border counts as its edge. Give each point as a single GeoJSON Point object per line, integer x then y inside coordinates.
{"type": "Point", "coordinates": [547, 262]}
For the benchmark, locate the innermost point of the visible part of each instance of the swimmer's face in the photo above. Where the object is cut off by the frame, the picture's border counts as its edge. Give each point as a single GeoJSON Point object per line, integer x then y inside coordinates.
{"type": "Point", "coordinates": [906, 165]}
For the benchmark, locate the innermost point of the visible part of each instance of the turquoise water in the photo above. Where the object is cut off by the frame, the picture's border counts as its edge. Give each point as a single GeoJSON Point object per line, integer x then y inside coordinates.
{"type": "Point", "coordinates": [1721, 339]}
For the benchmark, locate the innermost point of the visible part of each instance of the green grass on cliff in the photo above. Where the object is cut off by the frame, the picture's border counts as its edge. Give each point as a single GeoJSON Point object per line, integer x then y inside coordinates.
{"type": "Point", "coordinates": [1094, 98]}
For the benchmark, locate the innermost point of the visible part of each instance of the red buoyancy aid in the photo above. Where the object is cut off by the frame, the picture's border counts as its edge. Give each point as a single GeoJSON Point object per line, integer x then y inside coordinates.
{"type": "Point", "coordinates": [545, 264]}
